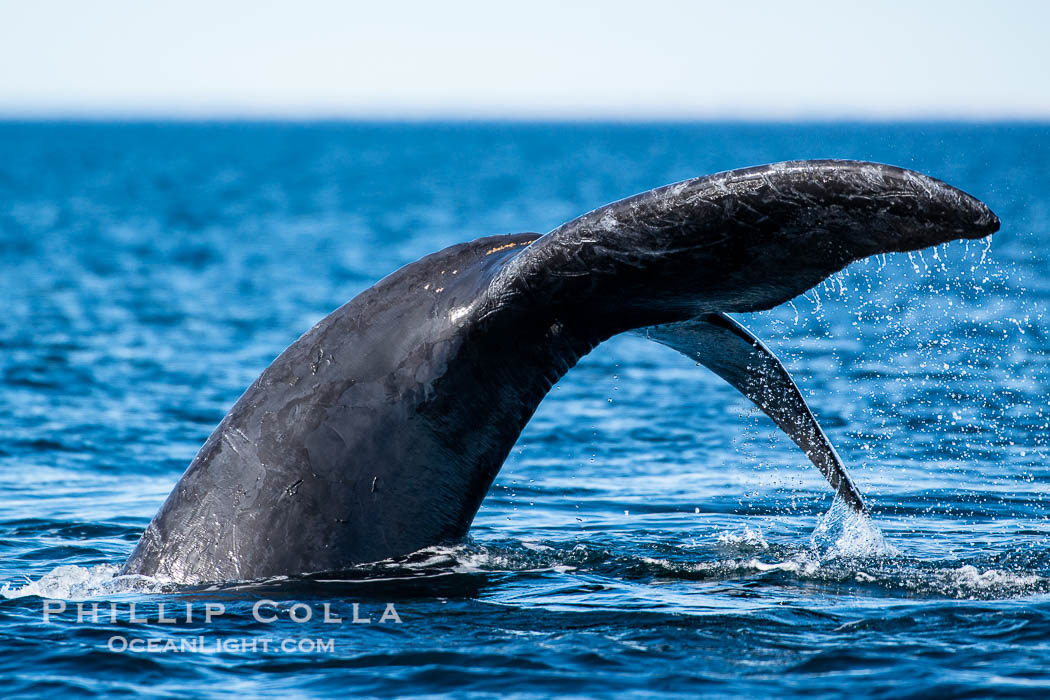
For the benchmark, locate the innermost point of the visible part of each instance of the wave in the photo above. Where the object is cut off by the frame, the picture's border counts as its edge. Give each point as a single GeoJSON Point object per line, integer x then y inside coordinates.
{"type": "Point", "coordinates": [845, 549]}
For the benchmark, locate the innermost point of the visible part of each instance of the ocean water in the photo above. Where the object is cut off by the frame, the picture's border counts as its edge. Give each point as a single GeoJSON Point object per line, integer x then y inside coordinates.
{"type": "Point", "coordinates": [651, 533]}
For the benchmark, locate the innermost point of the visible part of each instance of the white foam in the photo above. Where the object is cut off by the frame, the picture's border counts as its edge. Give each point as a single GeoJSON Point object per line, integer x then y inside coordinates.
{"type": "Point", "coordinates": [79, 583]}
{"type": "Point", "coordinates": [969, 580]}
{"type": "Point", "coordinates": [802, 565]}
{"type": "Point", "coordinates": [748, 538]}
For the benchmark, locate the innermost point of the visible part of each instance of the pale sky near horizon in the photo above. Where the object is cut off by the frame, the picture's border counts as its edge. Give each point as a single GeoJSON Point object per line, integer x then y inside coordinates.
{"type": "Point", "coordinates": [887, 59]}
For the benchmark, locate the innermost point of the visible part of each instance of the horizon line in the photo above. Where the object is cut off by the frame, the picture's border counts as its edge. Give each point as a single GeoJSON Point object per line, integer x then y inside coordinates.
{"type": "Point", "coordinates": [234, 117]}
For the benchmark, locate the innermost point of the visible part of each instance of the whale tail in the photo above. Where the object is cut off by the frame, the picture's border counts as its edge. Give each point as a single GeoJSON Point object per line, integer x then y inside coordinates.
{"type": "Point", "coordinates": [381, 429]}
{"type": "Point", "coordinates": [675, 259]}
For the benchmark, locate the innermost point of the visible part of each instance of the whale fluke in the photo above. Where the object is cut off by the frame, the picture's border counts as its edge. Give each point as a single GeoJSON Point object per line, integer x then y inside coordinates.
{"type": "Point", "coordinates": [379, 431]}
{"type": "Point", "coordinates": [732, 352]}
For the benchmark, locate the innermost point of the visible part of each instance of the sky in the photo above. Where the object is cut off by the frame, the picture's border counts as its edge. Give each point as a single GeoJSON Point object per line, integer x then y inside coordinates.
{"type": "Point", "coordinates": [648, 59]}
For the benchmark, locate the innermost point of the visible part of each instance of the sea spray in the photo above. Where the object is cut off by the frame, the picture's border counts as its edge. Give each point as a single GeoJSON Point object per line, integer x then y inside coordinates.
{"type": "Point", "coordinates": [843, 532]}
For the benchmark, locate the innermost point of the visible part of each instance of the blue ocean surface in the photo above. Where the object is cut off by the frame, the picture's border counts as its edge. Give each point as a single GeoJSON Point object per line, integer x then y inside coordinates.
{"type": "Point", "coordinates": [651, 532]}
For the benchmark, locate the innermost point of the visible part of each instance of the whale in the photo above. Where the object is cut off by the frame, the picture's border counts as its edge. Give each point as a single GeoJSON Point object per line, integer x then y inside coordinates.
{"type": "Point", "coordinates": [379, 431]}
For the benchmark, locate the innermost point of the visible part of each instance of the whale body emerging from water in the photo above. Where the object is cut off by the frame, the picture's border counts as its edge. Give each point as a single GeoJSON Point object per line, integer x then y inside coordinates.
{"type": "Point", "coordinates": [380, 430]}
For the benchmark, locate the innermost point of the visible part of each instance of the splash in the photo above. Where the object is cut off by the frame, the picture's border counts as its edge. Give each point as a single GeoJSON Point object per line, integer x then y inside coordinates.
{"type": "Point", "coordinates": [72, 582]}
{"type": "Point", "coordinates": [843, 532]}
{"type": "Point", "coordinates": [840, 536]}
{"type": "Point", "coordinates": [748, 539]}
